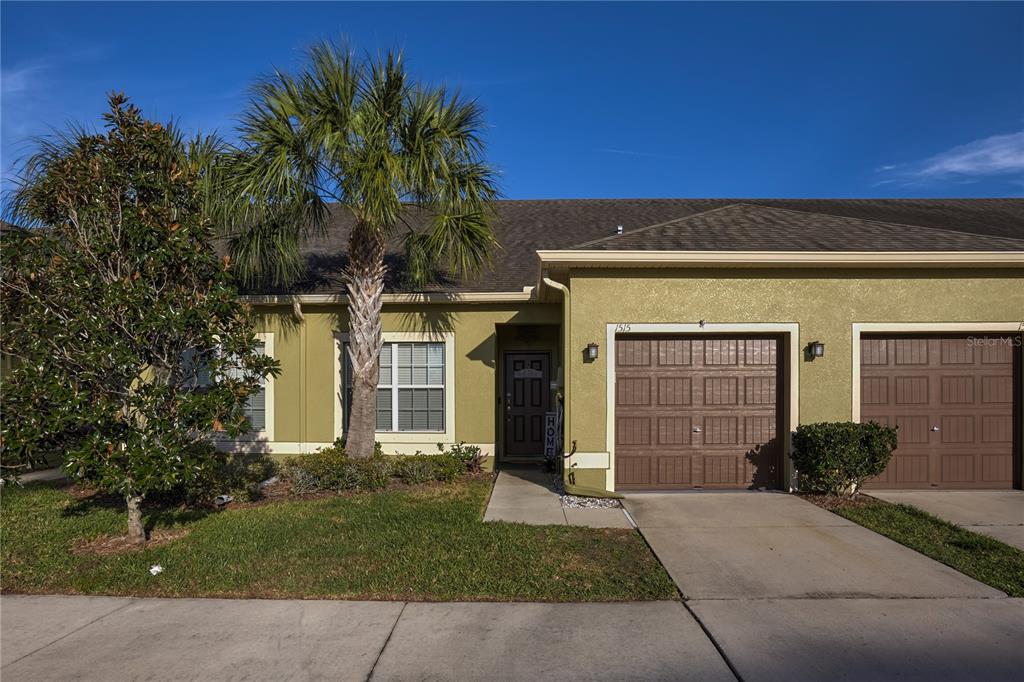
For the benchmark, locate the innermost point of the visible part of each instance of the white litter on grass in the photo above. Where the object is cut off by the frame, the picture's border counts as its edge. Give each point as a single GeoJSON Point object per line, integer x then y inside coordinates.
{"type": "Point", "coordinates": [577, 502]}
{"type": "Point", "coordinates": [156, 569]}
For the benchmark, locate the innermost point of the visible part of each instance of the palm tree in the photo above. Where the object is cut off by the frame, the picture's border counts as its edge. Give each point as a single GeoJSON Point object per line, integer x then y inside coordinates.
{"type": "Point", "coordinates": [362, 135]}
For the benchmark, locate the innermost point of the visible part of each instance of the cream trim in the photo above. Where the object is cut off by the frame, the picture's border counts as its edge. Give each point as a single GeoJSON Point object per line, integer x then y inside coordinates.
{"type": "Point", "coordinates": [409, 438]}
{"type": "Point", "coordinates": [790, 329]}
{"type": "Point", "coordinates": [591, 460]}
{"type": "Point", "coordinates": [269, 447]}
{"type": "Point", "coordinates": [859, 328]}
{"type": "Point", "coordinates": [526, 294]}
{"type": "Point", "coordinates": [783, 258]}
{"type": "Point", "coordinates": [292, 448]}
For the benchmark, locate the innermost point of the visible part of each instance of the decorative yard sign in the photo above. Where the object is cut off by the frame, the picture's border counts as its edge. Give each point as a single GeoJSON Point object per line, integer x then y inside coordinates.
{"type": "Point", "coordinates": [550, 434]}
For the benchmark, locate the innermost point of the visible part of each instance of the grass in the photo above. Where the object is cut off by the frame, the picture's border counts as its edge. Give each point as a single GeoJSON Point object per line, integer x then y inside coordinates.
{"type": "Point", "coordinates": [981, 557]}
{"type": "Point", "coordinates": [427, 544]}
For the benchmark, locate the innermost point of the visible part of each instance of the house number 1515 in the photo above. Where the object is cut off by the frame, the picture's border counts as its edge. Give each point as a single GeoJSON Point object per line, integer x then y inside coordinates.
{"type": "Point", "coordinates": [620, 328]}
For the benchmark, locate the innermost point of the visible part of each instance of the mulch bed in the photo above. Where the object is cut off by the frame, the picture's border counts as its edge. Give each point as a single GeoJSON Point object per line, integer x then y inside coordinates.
{"type": "Point", "coordinates": [109, 545]}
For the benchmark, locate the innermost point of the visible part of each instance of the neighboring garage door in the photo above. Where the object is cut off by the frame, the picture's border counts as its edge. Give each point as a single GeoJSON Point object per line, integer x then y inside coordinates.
{"type": "Point", "coordinates": [697, 413]}
{"type": "Point", "coordinates": [953, 399]}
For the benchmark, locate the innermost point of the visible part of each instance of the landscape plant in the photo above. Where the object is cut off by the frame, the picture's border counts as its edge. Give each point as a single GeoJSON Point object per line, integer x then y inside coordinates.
{"type": "Point", "coordinates": [404, 159]}
{"type": "Point", "coordinates": [133, 352]}
{"type": "Point", "coordinates": [332, 469]}
{"type": "Point", "coordinates": [837, 457]}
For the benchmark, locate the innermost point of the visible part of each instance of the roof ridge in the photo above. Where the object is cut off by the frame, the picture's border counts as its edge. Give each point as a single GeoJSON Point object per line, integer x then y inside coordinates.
{"type": "Point", "coordinates": [885, 222]}
{"type": "Point", "coordinates": [651, 227]}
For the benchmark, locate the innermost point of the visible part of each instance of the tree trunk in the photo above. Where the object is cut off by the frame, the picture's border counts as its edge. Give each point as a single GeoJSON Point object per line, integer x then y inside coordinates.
{"type": "Point", "coordinates": [136, 531]}
{"type": "Point", "coordinates": [365, 282]}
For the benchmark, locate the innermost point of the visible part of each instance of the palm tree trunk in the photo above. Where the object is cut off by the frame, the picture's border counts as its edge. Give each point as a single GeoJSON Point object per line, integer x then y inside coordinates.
{"type": "Point", "coordinates": [365, 283]}
{"type": "Point", "coordinates": [136, 531]}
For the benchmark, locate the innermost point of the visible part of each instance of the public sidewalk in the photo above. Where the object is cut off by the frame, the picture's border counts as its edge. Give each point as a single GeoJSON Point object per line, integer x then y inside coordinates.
{"type": "Point", "coordinates": [104, 638]}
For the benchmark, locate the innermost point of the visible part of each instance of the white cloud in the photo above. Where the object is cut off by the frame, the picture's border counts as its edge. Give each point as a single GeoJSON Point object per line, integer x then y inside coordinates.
{"type": "Point", "coordinates": [630, 152]}
{"type": "Point", "coordinates": [22, 78]}
{"type": "Point", "coordinates": [989, 156]}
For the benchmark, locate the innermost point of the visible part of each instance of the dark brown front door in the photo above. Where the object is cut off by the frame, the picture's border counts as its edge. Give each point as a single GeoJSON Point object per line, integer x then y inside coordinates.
{"type": "Point", "coordinates": [527, 398]}
{"type": "Point", "coordinates": [696, 412]}
{"type": "Point", "coordinates": [952, 399]}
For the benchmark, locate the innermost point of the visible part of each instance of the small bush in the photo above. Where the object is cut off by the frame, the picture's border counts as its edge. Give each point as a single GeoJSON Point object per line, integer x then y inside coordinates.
{"type": "Point", "coordinates": [837, 457]}
{"type": "Point", "coordinates": [238, 475]}
{"type": "Point", "coordinates": [471, 456]}
{"type": "Point", "coordinates": [331, 469]}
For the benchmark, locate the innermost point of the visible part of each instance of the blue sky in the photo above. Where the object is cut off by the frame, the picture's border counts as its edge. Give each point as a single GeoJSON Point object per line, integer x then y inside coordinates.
{"type": "Point", "coordinates": [591, 100]}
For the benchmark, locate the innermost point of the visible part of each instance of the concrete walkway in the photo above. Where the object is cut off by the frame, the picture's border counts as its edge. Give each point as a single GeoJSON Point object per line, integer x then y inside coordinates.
{"type": "Point", "coordinates": [997, 513]}
{"type": "Point", "coordinates": [99, 638]}
{"type": "Point", "coordinates": [764, 545]}
{"type": "Point", "coordinates": [103, 638]}
{"type": "Point", "coordinates": [528, 496]}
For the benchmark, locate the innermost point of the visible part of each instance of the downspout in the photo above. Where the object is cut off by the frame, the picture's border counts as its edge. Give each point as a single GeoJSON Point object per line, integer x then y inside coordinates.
{"type": "Point", "coordinates": [570, 487]}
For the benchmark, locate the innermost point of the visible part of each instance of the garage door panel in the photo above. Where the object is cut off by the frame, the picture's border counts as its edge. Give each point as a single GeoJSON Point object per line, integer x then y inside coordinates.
{"type": "Point", "coordinates": [997, 389]}
{"type": "Point", "coordinates": [675, 470]}
{"type": "Point", "coordinates": [996, 468]}
{"type": "Point", "coordinates": [952, 399]}
{"type": "Point", "coordinates": [958, 390]}
{"type": "Point", "coordinates": [712, 415]}
{"type": "Point", "coordinates": [674, 391]}
{"type": "Point", "coordinates": [675, 431]}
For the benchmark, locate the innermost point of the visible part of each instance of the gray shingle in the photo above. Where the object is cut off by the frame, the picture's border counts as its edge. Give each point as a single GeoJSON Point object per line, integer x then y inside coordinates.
{"type": "Point", "coordinates": [523, 227]}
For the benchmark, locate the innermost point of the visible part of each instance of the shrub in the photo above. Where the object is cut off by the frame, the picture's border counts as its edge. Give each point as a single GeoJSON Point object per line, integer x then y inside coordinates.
{"type": "Point", "coordinates": [239, 475]}
{"type": "Point", "coordinates": [837, 457]}
{"type": "Point", "coordinates": [420, 468]}
{"type": "Point", "coordinates": [471, 456]}
{"type": "Point", "coordinates": [331, 469]}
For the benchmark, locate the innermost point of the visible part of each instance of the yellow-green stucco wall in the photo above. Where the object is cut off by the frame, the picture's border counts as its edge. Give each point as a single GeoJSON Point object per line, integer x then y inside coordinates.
{"type": "Point", "coordinates": [305, 390]}
{"type": "Point", "coordinates": [823, 302]}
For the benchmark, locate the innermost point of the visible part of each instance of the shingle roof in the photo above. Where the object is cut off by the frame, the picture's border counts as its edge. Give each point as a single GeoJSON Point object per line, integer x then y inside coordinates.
{"type": "Point", "coordinates": [523, 227]}
{"type": "Point", "coordinates": [750, 227]}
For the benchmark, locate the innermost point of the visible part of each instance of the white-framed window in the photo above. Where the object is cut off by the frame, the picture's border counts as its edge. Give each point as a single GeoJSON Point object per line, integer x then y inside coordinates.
{"type": "Point", "coordinates": [259, 406]}
{"type": "Point", "coordinates": [415, 389]}
{"type": "Point", "coordinates": [410, 388]}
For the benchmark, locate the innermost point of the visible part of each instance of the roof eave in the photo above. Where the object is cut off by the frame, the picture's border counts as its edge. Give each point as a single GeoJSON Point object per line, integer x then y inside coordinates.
{"type": "Point", "coordinates": [527, 294]}
{"type": "Point", "coordinates": [789, 259]}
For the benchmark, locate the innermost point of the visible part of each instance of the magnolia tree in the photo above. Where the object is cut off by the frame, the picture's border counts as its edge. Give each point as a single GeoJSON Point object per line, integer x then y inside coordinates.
{"type": "Point", "coordinates": [132, 352]}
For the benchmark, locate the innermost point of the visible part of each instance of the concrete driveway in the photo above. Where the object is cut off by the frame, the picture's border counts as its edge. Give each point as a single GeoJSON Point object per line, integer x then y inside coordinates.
{"type": "Point", "coordinates": [760, 545]}
{"type": "Point", "coordinates": [790, 591]}
{"type": "Point", "coordinates": [997, 513]}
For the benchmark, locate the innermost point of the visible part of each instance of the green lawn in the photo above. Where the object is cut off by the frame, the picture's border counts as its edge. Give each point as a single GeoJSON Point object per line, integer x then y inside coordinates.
{"type": "Point", "coordinates": [422, 545]}
{"type": "Point", "coordinates": [979, 556]}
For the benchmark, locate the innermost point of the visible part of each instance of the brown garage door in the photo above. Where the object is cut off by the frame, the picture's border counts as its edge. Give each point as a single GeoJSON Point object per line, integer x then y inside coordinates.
{"type": "Point", "coordinates": [953, 399]}
{"type": "Point", "coordinates": [695, 412]}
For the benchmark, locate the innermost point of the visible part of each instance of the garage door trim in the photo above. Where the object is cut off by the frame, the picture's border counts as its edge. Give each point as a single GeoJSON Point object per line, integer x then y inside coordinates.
{"type": "Point", "coordinates": [859, 329]}
{"type": "Point", "coordinates": [789, 404]}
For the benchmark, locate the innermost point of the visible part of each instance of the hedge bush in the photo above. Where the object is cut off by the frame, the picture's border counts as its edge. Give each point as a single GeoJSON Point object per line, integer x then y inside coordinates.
{"type": "Point", "coordinates": [837, 457]}
{"type": "Point", "coordinates": [331, 469]}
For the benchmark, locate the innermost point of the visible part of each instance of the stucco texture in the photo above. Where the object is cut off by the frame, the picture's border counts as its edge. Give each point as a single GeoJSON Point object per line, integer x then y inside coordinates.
{"type": "Point", "coordinates": [305, 391]}
{"type": "Point", "coordinates": [823, 302]}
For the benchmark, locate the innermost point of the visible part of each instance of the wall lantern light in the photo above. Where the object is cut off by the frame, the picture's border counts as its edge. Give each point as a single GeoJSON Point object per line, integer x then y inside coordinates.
{"type": "Point", "coordinates": [591, 352]}
{"type": "Point", "coordinates": [817, 349]}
